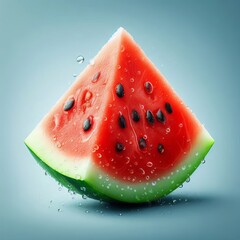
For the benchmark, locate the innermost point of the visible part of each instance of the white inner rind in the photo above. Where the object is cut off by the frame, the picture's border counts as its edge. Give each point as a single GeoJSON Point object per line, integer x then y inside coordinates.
{"type": "Point", "coordinates": [86, 170]}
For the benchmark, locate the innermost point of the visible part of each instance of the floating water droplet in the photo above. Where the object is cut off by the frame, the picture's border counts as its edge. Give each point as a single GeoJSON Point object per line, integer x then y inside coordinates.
{"type": "Point", "coordinates": [46, 173]}
{"type": "Point", "coordinates": [149, 164]}
{"type": "Point", "coordinates": [58, 144]}
{"type": "Point", "coordinates": [74, 75]}
{"type": "Point", "coordinates": [180, 186]}
{"type": "Point", "coordinates": [86, 211]}
{"type": "Point", "coordinates": [203, 161]}
{"type": "Point", "coordinates": [59, 209]}
{"type": "Point", "coordinates": [120, 214]}
{"type": "Point", "coordinates": [188, 180]}
{"type": "Point", "coordinates": [80, 59]}
{"type": "Point", "coordinates": [174, 201]}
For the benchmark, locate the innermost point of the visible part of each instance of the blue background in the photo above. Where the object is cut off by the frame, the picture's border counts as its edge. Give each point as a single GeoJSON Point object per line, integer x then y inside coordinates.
{"type": "Point", "coordinates": [195, 44]}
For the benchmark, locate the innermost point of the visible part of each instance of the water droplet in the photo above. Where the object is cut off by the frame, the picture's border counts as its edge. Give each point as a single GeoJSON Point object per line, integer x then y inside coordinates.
{"type": "Point", "coordinates": [99, 155]}
{"type": "Point", "coordinates": [87, 96]}
{"type": "Point", "coordinates": [83, 189]}
{"type": "Point", "coordinates": [138, 72]}
{"type": "Point", "coordinates": [119, 66]}
{"type": "Point", "coordinates": [96, 77]}
{"type": "Point", "coordinates": [80, 59]}
{"type": "Point", "coordinates": [183, 168]}
{"type": "Point", "coordinates": [122, 48]}
{"type": "Point", "coordinates": [74, 75]}
{"type": "Point", "coordinates": [196, 154]}
{"type": "Point", "coordinates": [132, 90]}
{"type": "Point", "coordinates": [84, 196]}
{"type": "Point", "coordinates": [154, 183]}
{"type": "Point", "coordinates": [180, 186]}
{"type": "Point", "coordinates": [174, 201]}
{"type": "Point", "coordinates": [132, 80]}
{"type": "Point", "coordinates": [86, 211]}
{"type": "Point", "coordinates": [149, 164]}
{"type": "Point", "coordinates": [58, 144]}
{"type": "Point", "coordinates": [203, 161]}
{"type": "Point", "coordinates": [180, 125]}
{"type": "Point", "coordinates": [188, 180]}
{"type": "Point", "coordinates": [46, 173]}
{"type": "Point", "coordinates": [54, 138]}
{"type": "Point", "coordinates": [59, 209]}
{"type": "Point", "coordinates": [147, 177]}
{"type": "Point", "coordinates": [120, 214]}
{"type": "Point", "coordinates": [95, 148]}
{"type": "Point", "coordinates": [142, 171]}
{"type": "Point", "coordinates": [60, 189]}
{"type": "Point", "coordinates": [168, 130]}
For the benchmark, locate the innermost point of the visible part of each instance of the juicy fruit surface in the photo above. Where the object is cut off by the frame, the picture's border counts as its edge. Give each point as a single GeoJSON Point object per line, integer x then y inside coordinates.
{"type": "Point", "coordinates": [120, 131]}
{"type": "Point", "coordinates": [154, 144]}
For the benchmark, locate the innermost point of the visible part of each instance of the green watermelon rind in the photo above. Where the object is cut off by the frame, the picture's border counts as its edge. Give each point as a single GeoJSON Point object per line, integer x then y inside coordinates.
{"type": "Point", "coordinates": [95, 183]}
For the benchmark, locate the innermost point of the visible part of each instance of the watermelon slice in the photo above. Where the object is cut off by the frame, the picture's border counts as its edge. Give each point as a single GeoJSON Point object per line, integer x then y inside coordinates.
{"type": "Point", "coordinates": [120, 132]}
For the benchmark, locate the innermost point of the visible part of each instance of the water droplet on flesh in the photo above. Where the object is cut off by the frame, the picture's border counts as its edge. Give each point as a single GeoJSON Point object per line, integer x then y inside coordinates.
{"type": "Point", "coordinates": [149, 164]}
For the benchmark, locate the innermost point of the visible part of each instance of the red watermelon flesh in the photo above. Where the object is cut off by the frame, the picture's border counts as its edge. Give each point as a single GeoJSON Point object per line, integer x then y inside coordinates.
{"type": "Point", "coordinates": [121, 129]}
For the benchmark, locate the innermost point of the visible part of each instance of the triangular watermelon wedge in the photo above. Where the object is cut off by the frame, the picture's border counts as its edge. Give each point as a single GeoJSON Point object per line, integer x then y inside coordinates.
{"type": "Point", "coordinates": [120, 132]}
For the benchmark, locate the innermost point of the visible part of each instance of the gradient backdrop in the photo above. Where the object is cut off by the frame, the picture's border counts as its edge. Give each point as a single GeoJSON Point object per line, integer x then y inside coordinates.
{"type": "Point", "coordinates": [195, 44]}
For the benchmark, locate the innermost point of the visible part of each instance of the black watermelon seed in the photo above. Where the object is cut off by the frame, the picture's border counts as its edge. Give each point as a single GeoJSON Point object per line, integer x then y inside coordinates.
{"type": "Point", "coordinates": [68, 104]}
{"type": "Point", "coordinates": [150, 117]}
{"type": "Point", "coordinates": [160, 116]}
{"type": "Point", "coordinates": [120, 90]}
{"type": "Point", "coordinates": [168, 107]}
{"type": "Point", "coordinates": [142, 143]}
{"type": "Point", "coordinates": [121, 121]}
{"type": "Point", "coordinates": [160, 148]}
{"type": "Point", "coordinates": [135, 116]}
{"type": "Point", "coordinates": [119, 147]}
{"type": "Point", "coordinates": [148, 87]}
{"type": "Point", "coordinates": [96, 77]}
{"type": "Point", "coordinates": [87, 124]}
